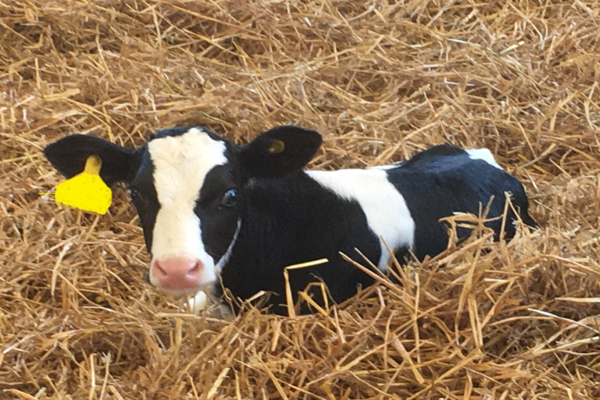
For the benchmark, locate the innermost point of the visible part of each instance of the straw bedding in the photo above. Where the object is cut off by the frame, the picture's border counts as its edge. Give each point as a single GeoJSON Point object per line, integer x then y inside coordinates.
{"type": "Point", "coordinates": [380, 80]}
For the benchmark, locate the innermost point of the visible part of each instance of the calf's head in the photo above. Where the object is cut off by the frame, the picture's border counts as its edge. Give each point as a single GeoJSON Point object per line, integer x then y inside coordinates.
{"type": "Point", "coordinates": [186, 184]}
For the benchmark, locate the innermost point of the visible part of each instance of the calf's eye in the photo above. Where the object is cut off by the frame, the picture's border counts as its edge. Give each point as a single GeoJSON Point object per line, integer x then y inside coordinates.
{"type": "Point", "coordinates": [229, 198]}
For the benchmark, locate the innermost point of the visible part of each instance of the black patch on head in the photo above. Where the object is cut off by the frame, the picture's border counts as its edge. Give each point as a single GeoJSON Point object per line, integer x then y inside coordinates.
{"type": "Point", "coordinates": [218, 221]}
{"type": "Point", "coordinates": [144, 197]}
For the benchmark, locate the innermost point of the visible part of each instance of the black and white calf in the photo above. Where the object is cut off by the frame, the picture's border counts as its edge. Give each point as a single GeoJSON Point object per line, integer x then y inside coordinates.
{"type": "Point", "coordinates": [210, 208]}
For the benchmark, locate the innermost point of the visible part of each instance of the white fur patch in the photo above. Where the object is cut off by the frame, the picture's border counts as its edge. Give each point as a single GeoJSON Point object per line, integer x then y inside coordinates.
{"type": "Point", "coordinates": [483, 154]}
{"type": "Point", "coordinates": [385, 208]}
{"type": "Point", "coordinates": [180, 167]}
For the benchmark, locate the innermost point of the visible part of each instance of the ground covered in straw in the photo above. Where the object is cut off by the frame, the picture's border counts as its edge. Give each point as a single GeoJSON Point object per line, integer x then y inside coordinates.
{"type": "Point", "coordinates": [380, 80]}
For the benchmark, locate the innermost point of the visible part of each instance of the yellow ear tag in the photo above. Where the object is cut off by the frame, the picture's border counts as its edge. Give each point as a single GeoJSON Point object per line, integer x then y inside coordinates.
{"type": "Point", "coordinates": [277, 146]}
{"type": "Point", "coordinates": [86, 191]}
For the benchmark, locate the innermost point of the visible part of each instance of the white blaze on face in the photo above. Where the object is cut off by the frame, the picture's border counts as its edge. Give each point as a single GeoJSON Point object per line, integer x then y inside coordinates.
{"type": "Point", "coordinates": [180, 167]}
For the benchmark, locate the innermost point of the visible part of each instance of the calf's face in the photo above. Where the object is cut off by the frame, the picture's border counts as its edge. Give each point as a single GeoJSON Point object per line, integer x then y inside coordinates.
{"type": "Point", "coordinates": [186, 184]}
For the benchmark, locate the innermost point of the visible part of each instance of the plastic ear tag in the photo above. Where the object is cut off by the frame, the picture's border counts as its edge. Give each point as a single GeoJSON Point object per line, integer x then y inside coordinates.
{"type": "Point", "coordinates": [277, 146]}
{"type": "Point", "coordinates": [86, 191]}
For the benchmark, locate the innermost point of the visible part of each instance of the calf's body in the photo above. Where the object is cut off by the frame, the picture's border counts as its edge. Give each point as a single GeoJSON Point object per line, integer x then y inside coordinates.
{"type": "Point", "coordinates": [211, 209]}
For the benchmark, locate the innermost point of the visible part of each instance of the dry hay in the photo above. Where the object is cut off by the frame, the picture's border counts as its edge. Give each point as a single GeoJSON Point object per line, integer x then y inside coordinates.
{"type": "Point", "coordinates": [515, 320]}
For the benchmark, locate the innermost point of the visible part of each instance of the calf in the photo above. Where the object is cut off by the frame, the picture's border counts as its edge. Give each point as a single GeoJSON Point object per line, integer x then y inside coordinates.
{"type": "Point", "coordinates": [209, 208]}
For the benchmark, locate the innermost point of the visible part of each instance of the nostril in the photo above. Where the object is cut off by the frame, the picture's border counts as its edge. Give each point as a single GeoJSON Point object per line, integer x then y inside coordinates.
{"type": "Point", "coordinates": [159, 268]}
{"type": "Point", "coordinates": [194, 271]}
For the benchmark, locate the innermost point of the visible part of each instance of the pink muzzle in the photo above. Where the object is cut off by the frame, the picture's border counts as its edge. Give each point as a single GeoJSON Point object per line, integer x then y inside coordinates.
{"type": "Point", "coordinates": [177, 273]}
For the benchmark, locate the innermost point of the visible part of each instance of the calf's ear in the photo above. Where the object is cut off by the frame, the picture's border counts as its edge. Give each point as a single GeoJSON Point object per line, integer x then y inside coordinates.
{"type": "Point", "coordinates": [280, 150]}
{"type": "Point", "coordinates": [69, 154]}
